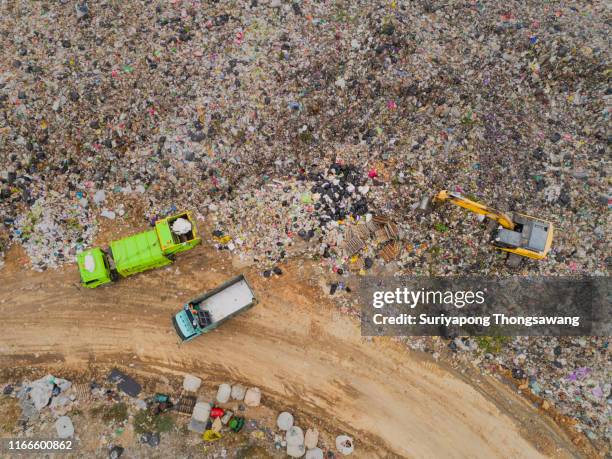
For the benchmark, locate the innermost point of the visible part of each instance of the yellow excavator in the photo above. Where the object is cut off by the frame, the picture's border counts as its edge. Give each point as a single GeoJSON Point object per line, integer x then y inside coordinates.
{"type": "Point", "coordinates": [519, 235]}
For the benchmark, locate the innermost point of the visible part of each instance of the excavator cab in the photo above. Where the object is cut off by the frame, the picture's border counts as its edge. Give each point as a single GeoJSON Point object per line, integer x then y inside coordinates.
{"type": "Point", "coordinates": [508, 239]}
{"type": "Point", "coordinates": [531, 237]}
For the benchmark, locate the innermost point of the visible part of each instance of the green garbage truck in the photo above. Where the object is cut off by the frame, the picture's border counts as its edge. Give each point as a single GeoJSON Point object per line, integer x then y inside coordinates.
{"type": "Point", "coordinates": [212, 308]}
{"type": "Point", "coordinates": [143, 251]}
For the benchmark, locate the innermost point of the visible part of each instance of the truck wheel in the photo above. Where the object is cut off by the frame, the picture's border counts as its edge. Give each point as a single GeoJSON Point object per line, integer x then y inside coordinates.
{"type": "Point", "coordinates": [513, 260]}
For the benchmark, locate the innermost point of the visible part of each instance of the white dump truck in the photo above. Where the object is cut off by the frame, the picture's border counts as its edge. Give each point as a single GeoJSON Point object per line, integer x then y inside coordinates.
{"type": "Point", "coordinates": [209, 310]}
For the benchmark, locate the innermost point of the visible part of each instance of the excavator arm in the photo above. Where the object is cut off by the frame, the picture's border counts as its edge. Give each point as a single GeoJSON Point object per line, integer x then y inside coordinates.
{"type": "Point", "coordinates": [461, 201]}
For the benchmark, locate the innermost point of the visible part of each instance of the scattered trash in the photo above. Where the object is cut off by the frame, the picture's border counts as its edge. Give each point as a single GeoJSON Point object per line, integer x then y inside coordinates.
{"type": "Point", "coordinates": [160, 403]}
{"type": "Point", "coordinates": [236, 423]}
{"type": "Point", "coordinates": [295, 442]}
{"type": "Point", "coordinates": [99, 197]}
{"type": "Point", "coordinates": [284, 421]}
{"type": "Point", "coordinates": [314, 453]}
{"type": "Point", "coordinates": [216, 412]}
{"type": "Point", "coordinates": [181, 226]}
{"type": "Point", "coordinates": [64, 427]}
{"type": "Point", "coordinates": [115, 452]}
{"type": "Point", "coordinates": [108, 214]}
{"type": "Point", "coordinates": [216, 424]}
{"type": "Point", "coordinates": [186, 403]}
{"type": "Point", "coordinates": [53, 230]}
{"type": "Point", "coordinates": [547, 368]}
{"type": "Point", "coordinates": [191, 383]}
{"type": "Point", "coordinates": [40, 393]}
{"type": "Point", "coordinates": [238, 392]}
{"type": "Point", "coordinates": [153, 440]}
{"type": "Point", "coordinates": [201, 412]}
{"type": "Point", "coordinates": [252, 397]}
{"type": "Point", "coordinates": [42, 390]}
{"type": "Point", "coordinates": [311, 438]}
{"type": "Point", "coordinates": [226, 417]}
{"type": "Point", "coordinates": [124, 383]}
{"type": "Point", "coordinates": [223, 393]}
{"type": "Point", "coordinates": [294, 436]}
{"type": "Point", "coordinates": [344, 444]}
{"type": "Point", "coordinates": [197, 426]}
{"type": "Point", "coordinates": [140, 404]}
{"type": "Point", "coordinates": [145, 437]}
{"type": "Point", "coordinates": [295, 450]}
{"type": "Point", "coordinates": [211, 435]}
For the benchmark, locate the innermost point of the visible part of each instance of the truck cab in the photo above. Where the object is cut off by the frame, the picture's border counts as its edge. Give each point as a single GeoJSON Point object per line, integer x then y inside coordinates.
{"type": "Point", "coordinates": [94, 267]}
{"type": "Point", "coordinates": [184, 325]}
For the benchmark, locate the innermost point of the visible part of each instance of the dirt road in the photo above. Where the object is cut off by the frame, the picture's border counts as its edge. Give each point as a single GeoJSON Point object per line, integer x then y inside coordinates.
{"type": "Point", "coordinates": [294, 345]}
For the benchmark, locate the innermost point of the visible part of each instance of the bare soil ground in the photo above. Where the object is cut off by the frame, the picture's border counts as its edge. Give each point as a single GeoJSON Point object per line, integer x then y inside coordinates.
{"type": "Point", "coordinates": [303, 354]}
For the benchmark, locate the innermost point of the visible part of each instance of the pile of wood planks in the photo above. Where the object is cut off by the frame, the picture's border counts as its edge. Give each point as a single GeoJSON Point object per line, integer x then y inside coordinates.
{"type": "Point", "coordinates": [381, 229]}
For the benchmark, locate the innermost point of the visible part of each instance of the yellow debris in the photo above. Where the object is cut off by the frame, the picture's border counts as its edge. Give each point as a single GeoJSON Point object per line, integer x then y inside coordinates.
{"type": "Point", "coordinates": [211, 435]}
{"type": "Point", "coordinates": [258, 434]}
{"type": "Point", "coordinates": [224, 239]}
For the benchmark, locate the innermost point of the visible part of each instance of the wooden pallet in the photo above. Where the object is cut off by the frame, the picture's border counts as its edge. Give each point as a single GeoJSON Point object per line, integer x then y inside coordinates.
{"type": "Point", "coordinates": [360, 231]}
{"type": "Point", "coordinates": [352, 246]}
{"type": "Point", "coordinates": [391, 230]}
{"type": "Point", "coordinates": [186, 403]}
{"type": "Point", "coordinates": [83, 392]}
{"type": "Point", "coordinates": [372, 226]}
{"type": "Point", "coordinates": [381, 235]}
{"type": "Point", "coordinates": [390, 251]}
{"type": "Point", "coordinates": [380, 219]}
{"type": "Point", "coordinates": [380, 228]}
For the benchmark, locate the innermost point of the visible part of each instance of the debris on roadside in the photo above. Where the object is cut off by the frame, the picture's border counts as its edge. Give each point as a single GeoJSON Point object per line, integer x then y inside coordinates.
{"type": "Point", "coordinates": [125, 383]}
{"type": "Point", "coordinates": [105, 414]}
{"type": "Point", "coordinates": [345, 444]}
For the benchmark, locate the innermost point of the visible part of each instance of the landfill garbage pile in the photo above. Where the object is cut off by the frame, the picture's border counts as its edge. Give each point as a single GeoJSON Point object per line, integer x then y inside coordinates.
{"type": "Point", "coordinates": [197, 104]}
{"type": "Point", "coordinates": [568, 374]}
{"type": "Point", "coordinates": [573, 374]}
{"type": "Point", "coordinates": [314, 208]}
{"type": "Point", "coordinates": [47, 397]}
{"type": "Point", "coordinates": [53, 230]}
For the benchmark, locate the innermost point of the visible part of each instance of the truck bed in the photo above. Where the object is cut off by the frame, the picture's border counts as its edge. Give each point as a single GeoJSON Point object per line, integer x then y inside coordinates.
{"type": "Point", "coordinates": [227, 299]}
